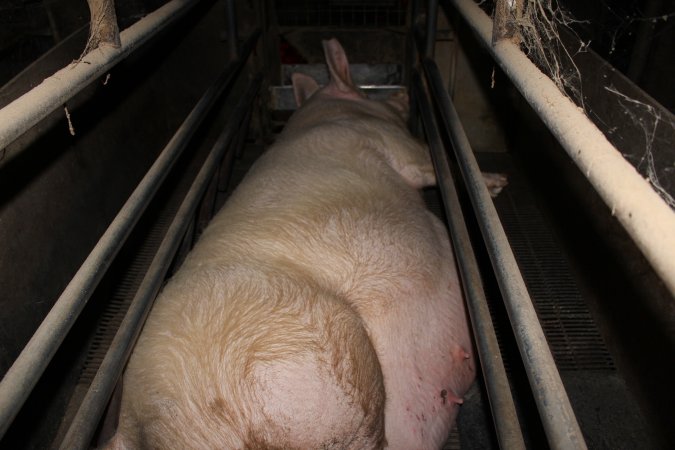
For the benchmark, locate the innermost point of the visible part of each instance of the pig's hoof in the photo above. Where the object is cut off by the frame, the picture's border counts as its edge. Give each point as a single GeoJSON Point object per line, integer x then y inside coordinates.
{"type": "Point", "coordinates": [495, 182]}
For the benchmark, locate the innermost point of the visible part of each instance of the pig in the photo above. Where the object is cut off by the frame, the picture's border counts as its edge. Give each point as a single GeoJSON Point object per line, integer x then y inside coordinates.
{"type": "Point", "coordinates": [321, 308]}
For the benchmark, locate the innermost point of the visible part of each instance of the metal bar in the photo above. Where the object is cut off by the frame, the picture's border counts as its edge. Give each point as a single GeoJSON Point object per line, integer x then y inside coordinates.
{"type": "Point", "coordinates": [506, 16]}
{"type": "Point", "coordinates": [432, 19]}
{"type": "Point", "coordinates": [414, 11]}
{"type": "Point", "coordinates": [84, 424]}
{"type": "Point", "coordinates": [241, 137]}
{"type": "Point", "coordinates": [205, 210]}
{"type": "Point", "coordinates": [34, 358]}
{"type": "Point", "coordinates": [411, 60]}
{"type": "Point", "coordinates": [231, 19]}
{"type": "Point", "coordinates": [643, 214]}
{"type": "Point", "coordinates": [554, 407]}
{"type": "Point", "coordinates": [29, 109]}
{"type": "Point", "coordinates": [499, 393]}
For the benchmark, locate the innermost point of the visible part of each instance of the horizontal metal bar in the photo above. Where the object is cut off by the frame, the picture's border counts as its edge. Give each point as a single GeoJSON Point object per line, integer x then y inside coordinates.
{"type": "Point", "coordinates": [34, 358]}
{"type": "Point", "coordinates": [29, 109]}
{"type": "Point", "coordinates": [362, 74]}
{"type": "Point", "coordinates": [644, 215]}
{"type": "Point", "coordinates": [282, 97]}
{"type": "Point", "coordinates": [84, 424]}
{"type": "Point", "coordinates": [554, 407]}
{"type": "Point", "coordinates": [501, 401]}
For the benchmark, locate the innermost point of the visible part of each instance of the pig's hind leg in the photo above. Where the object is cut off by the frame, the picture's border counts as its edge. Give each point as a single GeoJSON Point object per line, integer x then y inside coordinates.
{"type": "Point", "coordinates": [329, 395]}
{"type": "Point", "coordinates": [254, 360]}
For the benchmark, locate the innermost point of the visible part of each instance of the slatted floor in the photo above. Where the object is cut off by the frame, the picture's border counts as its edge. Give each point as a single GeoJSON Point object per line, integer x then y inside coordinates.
{"type": "Point", "coordinates": [602, 402]}
{"type": "Point", "coordinates": [571, 332]}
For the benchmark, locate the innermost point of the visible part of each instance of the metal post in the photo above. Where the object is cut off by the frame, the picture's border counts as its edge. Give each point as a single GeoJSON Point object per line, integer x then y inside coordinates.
{"type": "Point", "coordinates": [231, 19]}
{"type": "Point", "coordinates": [499, 393]}
{"type": "Point", "coordinates": [84, 424]}
{"type": "Point", "coordinates": [430, 37]}
{"type": "Point", "coordinates": [410, 47]}
{"type": "Point", "coordinates": [506, 17]}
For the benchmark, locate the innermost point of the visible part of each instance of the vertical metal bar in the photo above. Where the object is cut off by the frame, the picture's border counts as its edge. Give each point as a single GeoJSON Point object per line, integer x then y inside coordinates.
{"type": "Point", "coordinates": [411, 60]}
{"type": "Point", "coordinates": [205, 210]}
{"type": "Point", "coordinates": [554, 407]}
{"type": "Point", "coordinates": [410, 47]}
{"type": "Point", "coordinates": [227, 166]}
{"type": "Point", "coordinates": [414, 12]}
{"type": "Point", "coordinates": [231, 22]}
{"type": "Point", "coordinates": [34, 358]}
{"type": "Point", "coordinates": [507, 14]}
{"type": "Point", "coordinates": [185, 246]}
{"type": "Point", "coordinates": [499, 393]}
{"type": "Point", "coordinates": [241, 137]}
{"type": "Point", "coordinates": [430, 37]}
{"type": "Point", "coordinates": [225, 172]}
{"type": "Point", "coordinates": [84, 424]}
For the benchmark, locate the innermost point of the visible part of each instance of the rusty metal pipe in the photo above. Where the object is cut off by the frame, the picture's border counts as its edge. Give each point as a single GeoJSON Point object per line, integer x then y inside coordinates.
{"type": "Point", "coordinates": [503, 409]}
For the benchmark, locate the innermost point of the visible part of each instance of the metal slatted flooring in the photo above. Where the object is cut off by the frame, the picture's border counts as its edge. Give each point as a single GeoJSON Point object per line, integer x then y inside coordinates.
{"type": "Point", "coordinates": [123, 294]}
{"type": "Point", "coordinates": [602, 402]}
{"type": "Point", "coordinates": [572, 334]}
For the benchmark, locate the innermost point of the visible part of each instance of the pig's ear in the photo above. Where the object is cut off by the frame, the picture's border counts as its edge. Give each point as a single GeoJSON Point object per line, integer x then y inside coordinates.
{"type": "Point", "coordinates": [338, 65]}
{"type": "Point", "coordinates": [303, 87]}
{"type": "Point", "coordinates": [400, 102]}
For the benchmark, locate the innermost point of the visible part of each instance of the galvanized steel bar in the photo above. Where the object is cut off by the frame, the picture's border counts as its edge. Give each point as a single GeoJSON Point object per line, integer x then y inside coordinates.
{"type": "Point", "coordinates": [84, 424]}
{"type": "Point", "coordinates": [555, 410]}
{"type": "Point", "coordinates": [643, 214]}
{"type": "Point", "coordinates": [503, 409]}
{"type": "Point", "coordinates": [34, 358]}
{"type": "Point", "coordinates": [29, 109]}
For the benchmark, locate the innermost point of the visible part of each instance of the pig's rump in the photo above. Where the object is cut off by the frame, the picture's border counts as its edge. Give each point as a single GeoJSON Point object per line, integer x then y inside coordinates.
{"type": "Point", "coordinates": [322, 284]}
{"type": "Point", "coordinates": [251, 358]}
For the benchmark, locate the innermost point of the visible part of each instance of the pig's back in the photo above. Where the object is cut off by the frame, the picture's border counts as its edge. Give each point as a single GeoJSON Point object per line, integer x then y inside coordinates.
{"type": "Point", "coordinates": [355, 225]}
{"type": "Point", "coordinates": [327, 201]}
{"type": "Point", "coordinates": [321, 283]}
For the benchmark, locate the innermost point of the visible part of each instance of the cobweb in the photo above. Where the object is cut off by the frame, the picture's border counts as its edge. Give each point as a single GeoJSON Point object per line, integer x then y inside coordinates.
{"type": "Point", "coordinates": [539, 31]}
{"type": "Point", "coordinates": [648, 118]}
{"type": "Point", "coordinates": [547, 34]}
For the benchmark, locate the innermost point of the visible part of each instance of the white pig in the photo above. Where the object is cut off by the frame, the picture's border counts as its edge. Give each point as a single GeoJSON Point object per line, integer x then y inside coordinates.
{"type": "Point", "coordinates": [321, 308]}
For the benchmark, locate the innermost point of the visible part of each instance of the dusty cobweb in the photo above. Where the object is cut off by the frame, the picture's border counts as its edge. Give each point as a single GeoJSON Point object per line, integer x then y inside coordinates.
{"type": "Point", "coordinates": [547, 35]}
{"type": "Point", "coordinates": [648, 119]}
{"type": "Point", "coordinates": [540, 35]}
